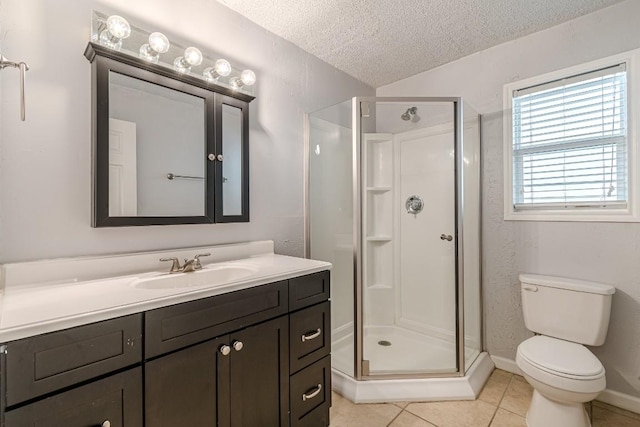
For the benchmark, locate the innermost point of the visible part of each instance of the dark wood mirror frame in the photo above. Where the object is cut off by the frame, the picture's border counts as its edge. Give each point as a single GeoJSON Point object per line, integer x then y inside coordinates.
{"type": "Point", "coordinates": [103, 61]}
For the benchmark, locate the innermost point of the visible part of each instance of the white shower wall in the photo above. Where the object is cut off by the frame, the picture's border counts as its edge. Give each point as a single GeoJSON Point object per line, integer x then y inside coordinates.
{"type": "Point", "coordinates": [426, 273]}
{"type": "Point", "coordinates": [408, 270]}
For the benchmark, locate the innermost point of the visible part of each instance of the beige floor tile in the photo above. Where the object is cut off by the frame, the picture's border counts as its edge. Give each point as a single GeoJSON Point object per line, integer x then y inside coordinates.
{"type": "Point", "coordinates": [475, 413]}
{"type": "Point", "coordinates": [605, 418]}
{"type": "Point", "coordinates": [617, 410]}
{"type": "Point", "coordinates": [401, 404]}
{"type": "Point", "coordinates": [517, 396]}
{"type": "Point", "coordinates": [405, 419]}
{"type": "Point", "coordinates": [505, 418]}
{"type": "Point", "coordinates": [496, 385]}
{"type": "Point", "coordinates": [344, 413]}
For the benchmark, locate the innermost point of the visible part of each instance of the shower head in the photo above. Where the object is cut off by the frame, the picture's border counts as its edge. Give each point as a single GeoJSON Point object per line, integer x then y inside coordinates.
{"type": "Point", "coordinates": [409, 114]}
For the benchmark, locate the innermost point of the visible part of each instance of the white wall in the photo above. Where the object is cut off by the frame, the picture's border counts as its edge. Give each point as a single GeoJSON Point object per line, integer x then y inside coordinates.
{"type": "Point", "coordinates": [45, 165]}
{"type": "Point", "coordinates": [607, 252]}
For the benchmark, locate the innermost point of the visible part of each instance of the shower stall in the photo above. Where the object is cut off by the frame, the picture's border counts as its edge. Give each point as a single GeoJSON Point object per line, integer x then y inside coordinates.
{"type": "Point", "coordinates": [393, 202]}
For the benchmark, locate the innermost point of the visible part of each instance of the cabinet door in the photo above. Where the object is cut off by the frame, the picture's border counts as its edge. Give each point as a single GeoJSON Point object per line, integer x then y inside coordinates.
{"type": "Point", "coordinates": [260, 375]}
{"type": "Point", "coordinates": [189, 387]}
{"type": "Point", "coordinates": [115, 401]}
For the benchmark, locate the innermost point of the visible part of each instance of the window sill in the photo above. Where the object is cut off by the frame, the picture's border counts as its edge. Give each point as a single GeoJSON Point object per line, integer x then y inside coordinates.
{"type": "Point", "coordinates": [587, 215]}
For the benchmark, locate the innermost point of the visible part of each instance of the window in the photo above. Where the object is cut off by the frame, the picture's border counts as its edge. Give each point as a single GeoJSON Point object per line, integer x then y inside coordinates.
{"type": "Point", "coordinates": [568, 148]}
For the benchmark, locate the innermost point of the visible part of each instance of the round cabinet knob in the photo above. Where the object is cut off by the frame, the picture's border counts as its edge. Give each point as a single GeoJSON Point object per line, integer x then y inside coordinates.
{"type": "Point", "coordinates": [107, 423]}
{"type": "Point", "coordinates": [237, 345]}
{"type": "Point", "coordinates": [219, 157]}
{"type": "Point", "coordinates": [225, 350]}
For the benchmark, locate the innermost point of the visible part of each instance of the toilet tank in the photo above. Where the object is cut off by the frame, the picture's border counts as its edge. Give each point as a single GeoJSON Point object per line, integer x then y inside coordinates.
{"type": "Point", "coordinates": [569, 309]}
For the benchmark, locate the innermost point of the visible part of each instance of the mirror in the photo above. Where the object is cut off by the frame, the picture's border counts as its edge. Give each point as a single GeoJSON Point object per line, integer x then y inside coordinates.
{"type": "Point", "coordinates": [157, 146]}
{"type": "Point", "coordinates": [168, 148]}
{"type": "Point", "coordinates": [232, 164]}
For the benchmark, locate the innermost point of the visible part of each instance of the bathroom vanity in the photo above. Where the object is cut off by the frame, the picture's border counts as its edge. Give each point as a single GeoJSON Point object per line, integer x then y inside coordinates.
{"type": "Point", "coordinates": [242, 342]}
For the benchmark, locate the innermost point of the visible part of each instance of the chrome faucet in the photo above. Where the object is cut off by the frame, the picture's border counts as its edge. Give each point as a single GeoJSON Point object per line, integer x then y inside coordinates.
{"type": "Point", "coordinates": [175, 265]}
{"type": "Point", "coordinates": [188, 266]}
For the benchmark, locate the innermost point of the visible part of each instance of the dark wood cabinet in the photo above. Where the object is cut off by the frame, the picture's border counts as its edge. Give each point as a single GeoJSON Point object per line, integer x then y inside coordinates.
{"type": "Point", "coordinates": [257, 357]}
{"type": "Point", "coordinates": [259, 375]}
{"type": "Point", "coordinates": [189, 387]}
{"type": "Point", "coordinates": [115, 401]}
{"type": "Point", "coordinates": [239, 379]}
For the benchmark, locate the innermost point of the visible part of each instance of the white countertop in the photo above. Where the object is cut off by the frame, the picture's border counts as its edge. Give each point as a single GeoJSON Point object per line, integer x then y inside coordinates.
{"type": "Point", "coordinates": [28, 309]}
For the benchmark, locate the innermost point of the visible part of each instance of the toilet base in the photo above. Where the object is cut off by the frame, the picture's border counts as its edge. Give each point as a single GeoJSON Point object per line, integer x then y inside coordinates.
{"type": "Point", "coordinates": [545, 412]}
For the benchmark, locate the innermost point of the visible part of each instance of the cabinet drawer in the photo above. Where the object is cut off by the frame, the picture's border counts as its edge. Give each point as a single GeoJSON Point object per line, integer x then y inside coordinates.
{"type": "Point", "coordinates": [309, 335]}
{"type": "Point", "coordinates": [116, 399]}
{"type": "Point", "coordinates": [308, 290]}
{"type": "Point", "coordinates": [311, 395]}
{"type": "Point", "coordinates": [39, 365]}
{"type": "Point", "coordinates": [178, 326]}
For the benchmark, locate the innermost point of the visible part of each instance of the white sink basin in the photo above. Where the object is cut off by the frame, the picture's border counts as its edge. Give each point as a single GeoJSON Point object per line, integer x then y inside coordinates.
{"type": "Point", "coordinates": [208, 276]}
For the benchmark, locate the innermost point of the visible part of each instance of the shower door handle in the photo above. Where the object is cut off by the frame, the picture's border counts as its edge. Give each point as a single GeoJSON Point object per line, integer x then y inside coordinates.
{"type": "Point", "coordinates": [447, 237]}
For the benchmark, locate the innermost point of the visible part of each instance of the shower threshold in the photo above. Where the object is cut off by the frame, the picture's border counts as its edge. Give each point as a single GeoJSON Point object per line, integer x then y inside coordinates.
{"type": "Point", "coordinates": [466, 387]}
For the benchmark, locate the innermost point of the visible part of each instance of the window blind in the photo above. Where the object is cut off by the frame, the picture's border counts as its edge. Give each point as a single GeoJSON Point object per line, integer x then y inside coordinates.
{"type": "Point", "coordinates": [570, 142]}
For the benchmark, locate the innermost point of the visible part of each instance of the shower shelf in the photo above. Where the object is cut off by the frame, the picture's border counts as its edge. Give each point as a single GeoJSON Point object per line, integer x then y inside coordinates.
{"type": "Point", "coordinates": [378, 189]}
{"type": "Point", "coordinates": [379, 238]}
{"type": "Point", "coordinates": [378, 226]}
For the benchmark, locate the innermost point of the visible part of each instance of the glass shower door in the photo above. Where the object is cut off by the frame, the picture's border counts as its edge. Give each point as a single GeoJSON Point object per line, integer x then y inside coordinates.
{"type": "Point", "coordinates": [408, 291]}
{"type": "Point", "coordinates": [330, 225]}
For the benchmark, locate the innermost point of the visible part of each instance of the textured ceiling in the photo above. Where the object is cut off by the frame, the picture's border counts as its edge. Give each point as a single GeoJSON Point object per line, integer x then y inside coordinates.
{"type": "Point", "coordinates": [382, 41]}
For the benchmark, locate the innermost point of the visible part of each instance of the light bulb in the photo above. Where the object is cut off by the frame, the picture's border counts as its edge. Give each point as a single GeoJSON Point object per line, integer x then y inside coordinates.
{"type": "Point", "coordinates": [117, 29]}
{"type": "Point", "coordinates": [158, 43]}
{"type": "Point", "coordinates": [248, 77]}
{"type": "Point", "coordinates": [192, 58]}
{"type": "Point", "coordinates": [220, 68]}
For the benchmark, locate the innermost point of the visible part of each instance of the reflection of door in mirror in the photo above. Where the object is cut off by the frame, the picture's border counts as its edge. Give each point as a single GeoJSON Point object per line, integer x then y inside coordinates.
{"type": "Point", "coordinates": [123, 188]}
{"type": "Point", "coordinates": [232, 164]}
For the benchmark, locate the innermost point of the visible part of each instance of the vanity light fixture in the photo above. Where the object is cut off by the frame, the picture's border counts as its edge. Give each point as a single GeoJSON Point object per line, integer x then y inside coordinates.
{"type": "Point", "coordinates": [115, 33]}
{"type": "Point", "coordinates": [117, 29]}
{"type": "Point", "coordinates": [158, 43]}
{"type": "Point", "coordinates": [192, 58]}
{"type": "Point", "coordinates": [221, 68]}
{"type": "Point", "coordinates": [247, 78]}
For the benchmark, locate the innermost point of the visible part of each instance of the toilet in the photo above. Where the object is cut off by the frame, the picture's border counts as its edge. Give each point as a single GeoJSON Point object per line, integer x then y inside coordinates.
{"type": "Point", "coordinates": [564, 314]}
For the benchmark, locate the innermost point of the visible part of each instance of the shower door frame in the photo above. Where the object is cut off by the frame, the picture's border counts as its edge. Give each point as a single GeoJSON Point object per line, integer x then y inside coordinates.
{"type": "Point", "coordinates": [457, 104]}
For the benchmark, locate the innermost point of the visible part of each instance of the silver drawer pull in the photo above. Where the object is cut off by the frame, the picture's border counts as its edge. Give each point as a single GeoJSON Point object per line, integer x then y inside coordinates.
{"type": "Point", "coordinates": [311, 335]}
{"type": "Point", "coordinates": [311, 395]}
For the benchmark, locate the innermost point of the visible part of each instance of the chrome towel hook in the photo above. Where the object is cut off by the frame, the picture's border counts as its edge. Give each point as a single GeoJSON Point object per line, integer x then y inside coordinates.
{"type": "Point", "coordinates": [23, 67]}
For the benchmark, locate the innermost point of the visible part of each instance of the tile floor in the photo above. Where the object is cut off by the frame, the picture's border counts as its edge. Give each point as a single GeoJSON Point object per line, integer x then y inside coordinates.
{"type": "Point", "coordinates": [502, 403]}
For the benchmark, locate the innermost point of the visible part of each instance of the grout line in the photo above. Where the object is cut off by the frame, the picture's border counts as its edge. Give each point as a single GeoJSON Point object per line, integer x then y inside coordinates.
{"type": "Point", "coordinates": [418, 416]}
{"type": "Point", "coordinates": [394, 418]}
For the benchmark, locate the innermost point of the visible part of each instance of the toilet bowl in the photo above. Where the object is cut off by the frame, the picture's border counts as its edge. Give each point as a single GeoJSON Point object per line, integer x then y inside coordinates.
{"type": "Point", "coordinates": [564, 374]}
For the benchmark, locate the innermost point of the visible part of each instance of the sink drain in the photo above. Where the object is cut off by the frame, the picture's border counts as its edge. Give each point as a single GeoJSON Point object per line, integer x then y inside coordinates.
{"type": "Point", "coordinates": [384, 343]}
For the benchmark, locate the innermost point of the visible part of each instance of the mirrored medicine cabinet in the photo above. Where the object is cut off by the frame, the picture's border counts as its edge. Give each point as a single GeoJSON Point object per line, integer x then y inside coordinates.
{"type": "Point", "coordinates": [168, 148]}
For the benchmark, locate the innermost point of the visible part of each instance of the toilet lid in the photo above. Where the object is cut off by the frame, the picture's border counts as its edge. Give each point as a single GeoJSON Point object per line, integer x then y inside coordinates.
{"type": "Point", "coordinates": [563, 357]}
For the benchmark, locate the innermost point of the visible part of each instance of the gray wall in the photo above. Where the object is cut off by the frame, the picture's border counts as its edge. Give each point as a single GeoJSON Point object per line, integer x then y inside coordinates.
{"type": "Point", "coordinates": [607, 252]}
{"type": "Point", "coordinates": [45, 164]}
